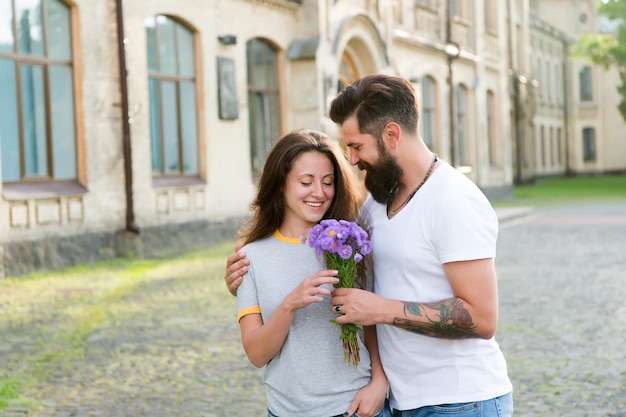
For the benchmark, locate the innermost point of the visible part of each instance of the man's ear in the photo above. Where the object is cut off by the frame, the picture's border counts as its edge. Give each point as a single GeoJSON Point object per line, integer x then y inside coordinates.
{"type": "Point", "coordinates": [391, 134]}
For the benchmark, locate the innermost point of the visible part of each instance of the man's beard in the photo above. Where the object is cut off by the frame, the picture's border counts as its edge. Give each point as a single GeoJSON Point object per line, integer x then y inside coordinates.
{"type": "Point", "coordinates": [382, 178]}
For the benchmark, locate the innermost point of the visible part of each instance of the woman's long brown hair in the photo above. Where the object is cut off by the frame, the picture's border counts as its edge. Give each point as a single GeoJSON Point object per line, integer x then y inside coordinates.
{"type": "Point", "coordinates": [268, 207]}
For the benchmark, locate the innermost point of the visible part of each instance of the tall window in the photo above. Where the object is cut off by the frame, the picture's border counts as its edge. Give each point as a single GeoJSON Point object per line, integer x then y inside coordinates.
{"type": "Point", "coordinates": [172, 90]}
{"type": "Point", "coordinates": [429, 113]}
{"type": "Point", "coordinates": [263, 100]}
{"type": "Point", "coordinates": [37, 110]}
{"type": "Point", "coordinates": [589, 144]}
{"type": "Point", "coordinates": [585, 84]}
{"type": "Point", "coordinates": [559, 146]}
{"type": "Point", "coordinates": [491, 129]}
{"type": "Point", "coordinates": [461, 125]}
{"type": "Point", "coordinates": [548, 82]}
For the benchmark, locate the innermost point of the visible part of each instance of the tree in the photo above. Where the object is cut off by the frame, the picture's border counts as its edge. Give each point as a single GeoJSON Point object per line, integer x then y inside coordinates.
{"type": "Point", "coordinates": [607, 49]}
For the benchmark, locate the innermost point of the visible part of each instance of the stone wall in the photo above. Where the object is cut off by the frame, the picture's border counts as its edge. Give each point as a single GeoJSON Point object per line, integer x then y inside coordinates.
{"type": "Point", "coordinates": [59, 252]}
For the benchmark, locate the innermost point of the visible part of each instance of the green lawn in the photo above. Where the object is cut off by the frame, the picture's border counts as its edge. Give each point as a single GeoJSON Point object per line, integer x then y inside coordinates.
{"type": "Point", "coordinates": [564, 190]}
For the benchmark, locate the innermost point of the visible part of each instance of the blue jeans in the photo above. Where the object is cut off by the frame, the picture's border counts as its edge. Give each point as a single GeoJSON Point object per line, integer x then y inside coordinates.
{"type": "Point", "coordinates": [496, 407]}
{"type": "Point", "coordinates": [384, 412]}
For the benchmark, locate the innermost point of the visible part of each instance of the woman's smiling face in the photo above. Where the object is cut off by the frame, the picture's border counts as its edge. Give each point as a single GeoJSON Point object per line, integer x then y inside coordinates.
{"type": "Point", "coordinates": [309, 190]}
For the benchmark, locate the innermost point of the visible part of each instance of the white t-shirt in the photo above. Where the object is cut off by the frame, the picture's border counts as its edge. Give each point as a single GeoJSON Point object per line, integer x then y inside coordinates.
{"type": "Point", "coordinates": [449, 219]}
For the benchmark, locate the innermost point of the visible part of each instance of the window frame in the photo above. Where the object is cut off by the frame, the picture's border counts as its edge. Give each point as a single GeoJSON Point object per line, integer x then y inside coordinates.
{"type": "Point", "coordinates": [492, 137]}
{"type": "Point", "coordinates": [585, 79]}
{"type": "Point", "coordinates": [461, 98]}
{"type": "Point", "coordinates": [48, 185]}
{"type": "Point", "coordinates": [165, 177]}
{"type": "Point", "coordinates": [267, 94]}
{"type": "Point", "coordinates": [589, 144]}
{"type": "Point", "coordinates": [429, 110]}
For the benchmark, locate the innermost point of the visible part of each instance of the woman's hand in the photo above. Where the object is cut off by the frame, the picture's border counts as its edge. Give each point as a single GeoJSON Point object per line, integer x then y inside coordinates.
{"type": "Point", "coordinates": [236, 268]}
{"type": "Point", "coordinates": [369, 401]}
{"type": "Point", "coordinates": [311, 290]}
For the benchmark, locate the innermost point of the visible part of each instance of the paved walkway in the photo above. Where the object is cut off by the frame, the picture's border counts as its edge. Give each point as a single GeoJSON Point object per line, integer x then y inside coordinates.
{"type": "Point", "coordinates": [169, 346]}
{"type": "Point", "coordinates": [562, 286]}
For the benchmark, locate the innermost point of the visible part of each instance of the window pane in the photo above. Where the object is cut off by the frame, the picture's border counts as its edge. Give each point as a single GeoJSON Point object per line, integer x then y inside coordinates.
{"type": "Point", "coordinates": [428, 113]}
{"type": "Point", "coordinates": [169, 117]}
{"type": "Point", "coordinates": [34, 121]}
{"type": "Point", "coordinates": [272, 67]}
{"type": "Point", "coordinates": [273, 112]}
{"type": "Point", "coordinates": [29, 26]}
{"type": "Point", "coordinates": [59, 30]}
{"type": "Point", "coordinates": [256, 67]}
{"type": "Point", "coordinates": [63, 124]}
{"type": "Point", "coordinates": [257, 131]}
{"type": "Point", "coordinates": [151, 41]}
{"type": "Point", "coordinates": [461, 125]}
{"type": "Point", "coordinates": [427, 128]}
{"type": "Point", "coordinates": [6, 26]}
{"type": "Point", "coordinates": [585, 84]}
{"type": "Point", "coordinates": [185, 51]}
{"type": "Point", "coordinates": [9, 133]}
{"type": "Point", "coordinates": [189, 127]}
{"type": "Point", "coordinates": [155, 129]}
{"type": "Point", "coordinates": [589, 144]}
{"type": "Point", "coordinates": [167, 45]}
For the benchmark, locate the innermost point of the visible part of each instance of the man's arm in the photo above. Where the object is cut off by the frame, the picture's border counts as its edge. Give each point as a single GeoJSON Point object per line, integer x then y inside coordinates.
{"type": "Point", "coordinates": [471, 313]}
{"type": "Point", "coordinates": [236, 268]}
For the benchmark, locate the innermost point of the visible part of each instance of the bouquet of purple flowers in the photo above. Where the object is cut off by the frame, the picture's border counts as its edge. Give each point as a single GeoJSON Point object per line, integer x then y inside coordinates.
{"type": "Point", "coordinates": [343, 245]}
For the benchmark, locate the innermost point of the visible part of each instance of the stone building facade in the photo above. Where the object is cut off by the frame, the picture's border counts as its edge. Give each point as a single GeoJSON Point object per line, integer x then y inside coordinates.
{"type": "Point", "coordinates": [137, 128]}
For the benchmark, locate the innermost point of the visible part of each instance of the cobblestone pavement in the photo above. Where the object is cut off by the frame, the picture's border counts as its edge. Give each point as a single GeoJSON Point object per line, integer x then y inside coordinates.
{"type": "Point", "coordinates": [166, 342]}
{"type": "Point", "coordinates": [562, 285]}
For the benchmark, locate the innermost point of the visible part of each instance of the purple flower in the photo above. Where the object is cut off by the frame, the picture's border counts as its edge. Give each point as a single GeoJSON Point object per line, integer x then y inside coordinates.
{"type": "Point", "coordinates": [345, 252]}
{"type": "Point", "coordinates": [344, 238]}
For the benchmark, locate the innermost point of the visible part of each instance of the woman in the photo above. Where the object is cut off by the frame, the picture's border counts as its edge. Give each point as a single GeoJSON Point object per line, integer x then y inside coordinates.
{"type": "Point", "coordinates": [284, 305]}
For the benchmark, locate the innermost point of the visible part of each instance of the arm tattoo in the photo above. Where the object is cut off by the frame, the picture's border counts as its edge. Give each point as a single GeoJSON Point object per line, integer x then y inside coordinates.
{"type": "Point", "coordinates": [448, 319]}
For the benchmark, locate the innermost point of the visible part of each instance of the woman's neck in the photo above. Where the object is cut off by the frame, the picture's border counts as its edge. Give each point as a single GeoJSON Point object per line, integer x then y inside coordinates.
{"type": "Point", "coordinates": [295, 231]}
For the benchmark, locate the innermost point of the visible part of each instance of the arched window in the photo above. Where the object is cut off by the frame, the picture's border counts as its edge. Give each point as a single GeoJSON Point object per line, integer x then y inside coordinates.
{"type": "Point", "coordinates": [263, 100]}
{"type": "Point", "coordinates": [429, 112]}
{"type": "Point", "coordinates": [172, 90]}
{"type": "Point", "coordinates": [462, 128]}
{"type": "Point", "coordinates": [37, 108]}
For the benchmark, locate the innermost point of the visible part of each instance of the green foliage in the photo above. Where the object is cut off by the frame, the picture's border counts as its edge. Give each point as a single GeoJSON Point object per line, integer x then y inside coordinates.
{"type": "Point", "coordinates": [596, 48]}
{"type": "Point", "coordinates": [608, 49]}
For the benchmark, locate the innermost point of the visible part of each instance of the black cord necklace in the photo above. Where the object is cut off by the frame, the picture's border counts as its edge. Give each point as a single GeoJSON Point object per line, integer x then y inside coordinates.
{"type": "Point", "coordinates": [392, 211]}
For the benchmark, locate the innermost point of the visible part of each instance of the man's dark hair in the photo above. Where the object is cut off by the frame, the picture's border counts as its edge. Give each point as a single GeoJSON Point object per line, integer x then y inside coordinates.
{"type": "Point", "coordinates": [376, 100]}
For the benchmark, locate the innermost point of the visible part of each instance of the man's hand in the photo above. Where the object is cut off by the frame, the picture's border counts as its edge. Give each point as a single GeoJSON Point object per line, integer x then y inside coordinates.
{"type": "Point", "coordinates": [236, 267]}
{"type": "Point", "coordinates": [359, 306]}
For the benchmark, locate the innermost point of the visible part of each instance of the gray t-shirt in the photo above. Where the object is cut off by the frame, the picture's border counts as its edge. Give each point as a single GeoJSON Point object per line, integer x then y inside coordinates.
{"type": "Point", "coordinates": [308, 376]}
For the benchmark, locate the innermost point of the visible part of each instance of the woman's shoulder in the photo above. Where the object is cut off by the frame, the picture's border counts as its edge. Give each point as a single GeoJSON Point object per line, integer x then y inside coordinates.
{"type": "Point", "coordinates": [258, 245]}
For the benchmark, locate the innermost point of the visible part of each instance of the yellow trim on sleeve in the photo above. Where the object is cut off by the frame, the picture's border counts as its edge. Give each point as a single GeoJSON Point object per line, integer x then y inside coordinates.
{"type": "Point", "coordinates": [248, 310]}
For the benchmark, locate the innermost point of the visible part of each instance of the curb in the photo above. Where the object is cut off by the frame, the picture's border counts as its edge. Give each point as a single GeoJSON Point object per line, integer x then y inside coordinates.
{"type": "Point", "coordinates": [508, 214]}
